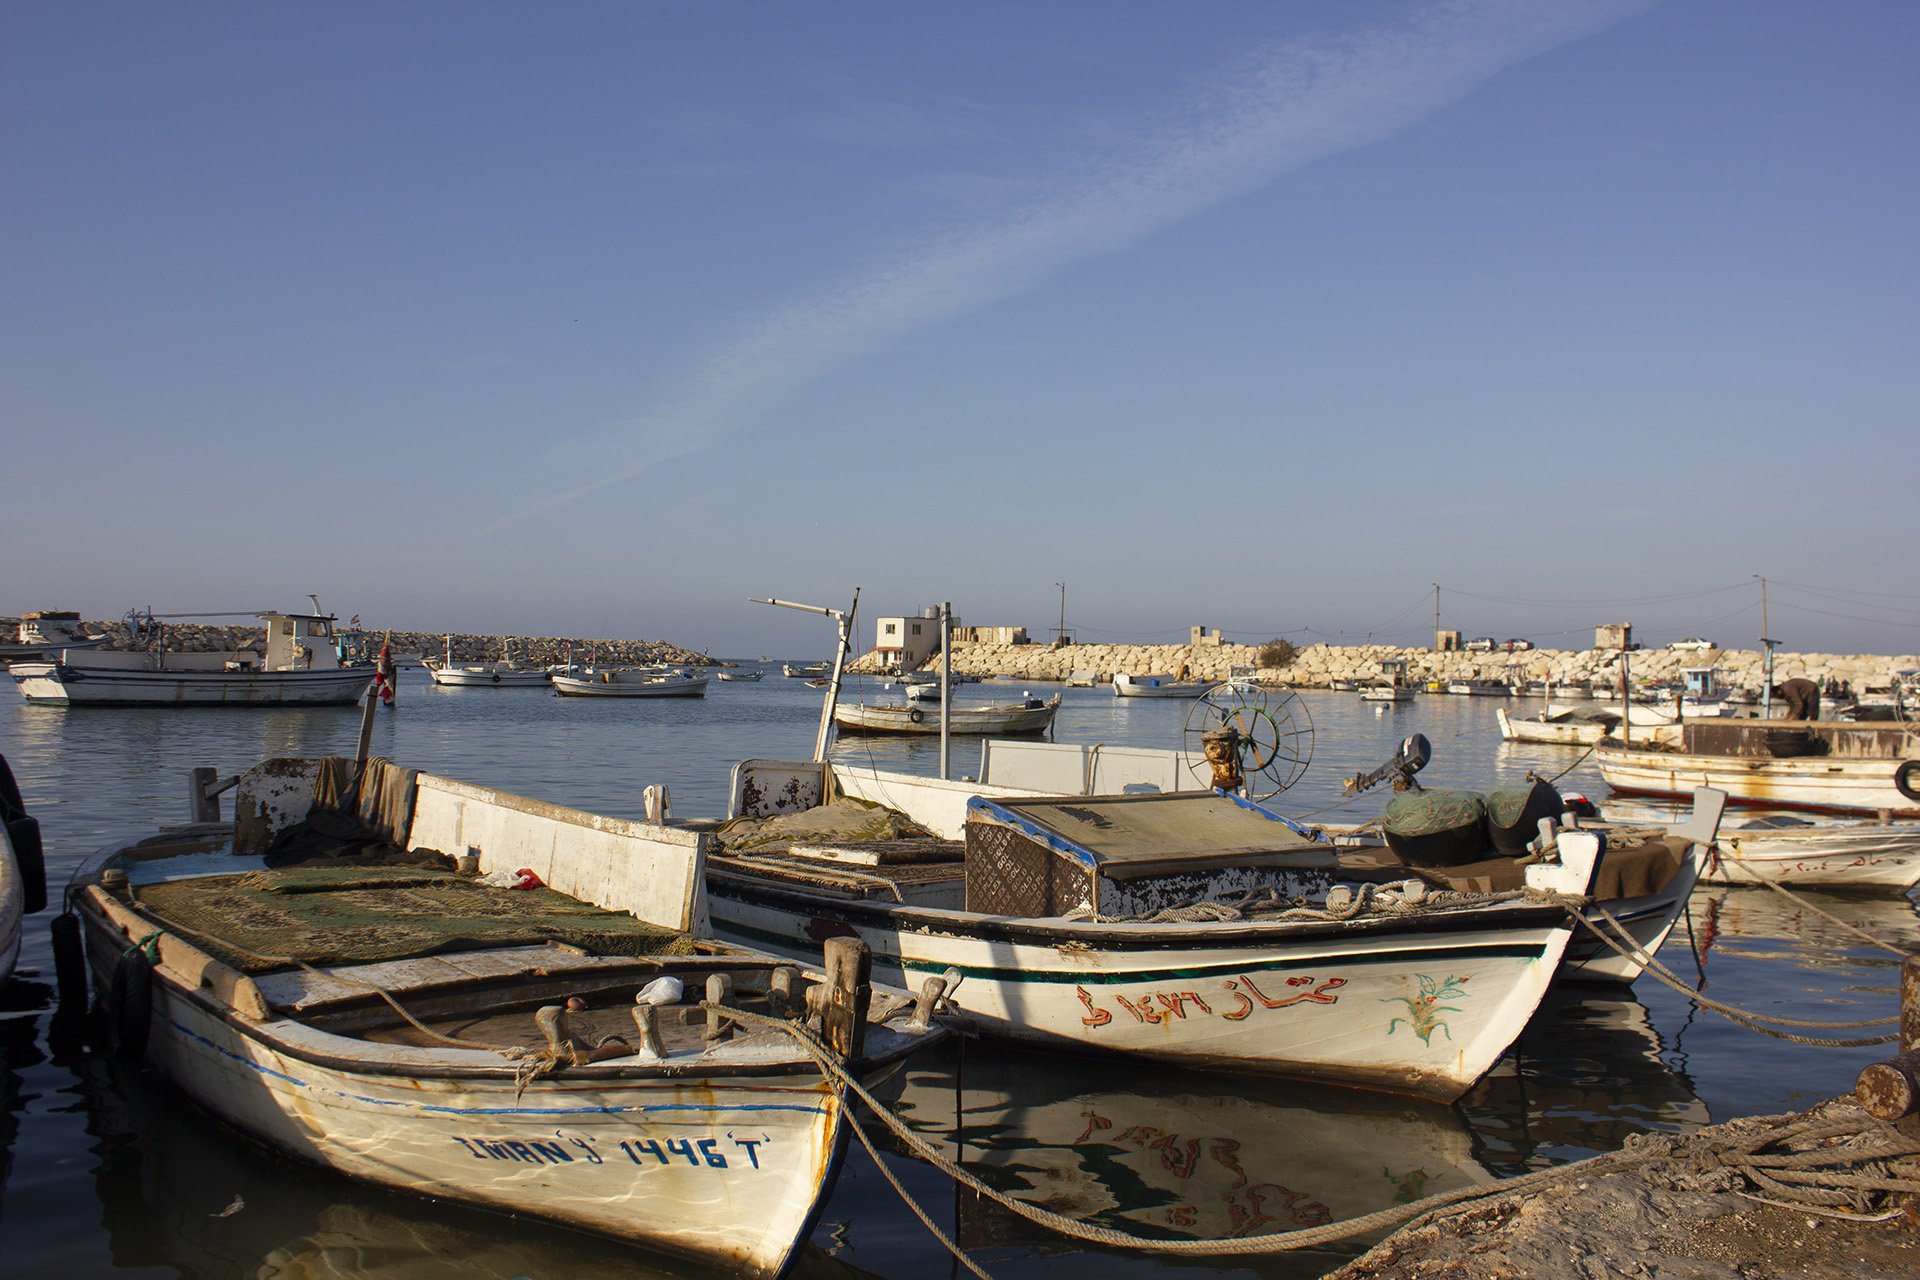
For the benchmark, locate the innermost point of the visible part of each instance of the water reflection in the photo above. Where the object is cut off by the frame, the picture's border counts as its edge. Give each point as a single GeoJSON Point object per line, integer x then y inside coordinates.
{"type": "Point", "coordinates": [1172, 1155]}
{"type": "Point", "coordinates": [1589, 1072]}
{"type": "Point", "coordinates": [177, 1190]}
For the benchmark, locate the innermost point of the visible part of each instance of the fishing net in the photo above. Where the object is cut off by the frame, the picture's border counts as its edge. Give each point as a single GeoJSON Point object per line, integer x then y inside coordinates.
{"type": "Point", "coordinates": [846, 819]}
{"type": "Point", "coordinates": [332, 915]}
{"type": "Point", "coordinates": [1514, 813]}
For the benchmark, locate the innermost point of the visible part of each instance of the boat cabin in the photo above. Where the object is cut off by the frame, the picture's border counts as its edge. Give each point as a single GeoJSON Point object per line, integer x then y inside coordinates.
{"type": "Point", "coordinates": [300, 642]}
{"type": "Point", "coordinates": [1701, 682]}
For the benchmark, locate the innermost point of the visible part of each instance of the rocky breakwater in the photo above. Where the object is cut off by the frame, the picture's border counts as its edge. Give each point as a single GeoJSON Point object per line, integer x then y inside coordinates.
{"type": "Point", "coordinates": [1319, 665]}
{"type": "Point", "coordinates": [539, 651]}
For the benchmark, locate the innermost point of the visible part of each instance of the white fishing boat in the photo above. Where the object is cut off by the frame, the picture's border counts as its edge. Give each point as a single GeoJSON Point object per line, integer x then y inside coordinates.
{"type": "Point", "coordinates": [1556, 726]}
{"type": "Point", "coordinates": [505, 673]}
{"type": "Point", "coordinates": [1390, 685]}
{"type": "Point", "coordinates": [1822, 765]}
{"type": "Point", "coordinates": [628, 682]}
{"type": "Point", "coordinates": [1480, 688]}
{"type": "Point", "coordinates": [1126, 686]}
{"type": "Point", "coordinates": [1868, 855]}
{"type": "Point", "coordinates": [298, 666]}
{"type": "Point", "coordinates": [481, 1044]}
{"type": "Point", "coordinates": [805, 670]}
{"type": "Point", "coordinates": [1032, 715]}
{"type": "Point", "coordinates": [741, 676]}
{"type": "Point", "coordinates": [1154, 925]}
{"type": "Point", "coordinates": [23, 873]}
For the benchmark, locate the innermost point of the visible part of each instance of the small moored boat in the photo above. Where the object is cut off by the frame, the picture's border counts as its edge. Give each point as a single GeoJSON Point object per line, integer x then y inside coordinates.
{"type": "Point", "coordinates": [1126, 686]}
{"type": "Point", "coordinates": [534, 1032]}
{"type": "Point", "coordinates": [628, 682]}
{"type": "Point", "coordinates": [1033, 715]}
{"type": "Point", "coordinates": [297, 667]}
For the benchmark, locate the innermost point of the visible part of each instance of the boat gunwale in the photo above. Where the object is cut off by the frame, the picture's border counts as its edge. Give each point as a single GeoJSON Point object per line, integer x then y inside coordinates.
{"type": "Point", "coordinates": [900, 1045]}
{"type": "Point", "coordinates": [1140, 935]}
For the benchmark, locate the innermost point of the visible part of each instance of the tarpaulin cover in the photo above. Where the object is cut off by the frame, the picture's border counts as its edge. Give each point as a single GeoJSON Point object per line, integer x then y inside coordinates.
{"type": "Point", "coordinates": [1159, 828]}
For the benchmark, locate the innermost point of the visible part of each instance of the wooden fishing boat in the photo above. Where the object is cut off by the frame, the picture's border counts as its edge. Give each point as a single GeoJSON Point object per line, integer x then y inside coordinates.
{"type": "Point", "coordinates": [805, 670]}
{"type": "Point", "coordinates": [628, 682]}
{"type": "Point", "coordinates": [742, 677]}
{"type": "Point", "coordinates": [387, 1015]}
{"type": "Point", "coordinates": [1126, 686]}
{"type": "Point", "coordinates": [298, 667]}
{"type": "Point", "coordinates": [1821, 765]}
{"type": "Point", "coordinates": [1557, 726]}
{"type": "Point", "coordinates": [1033, 715]}
{"type": "Point", "coordinates": [1133, 924]}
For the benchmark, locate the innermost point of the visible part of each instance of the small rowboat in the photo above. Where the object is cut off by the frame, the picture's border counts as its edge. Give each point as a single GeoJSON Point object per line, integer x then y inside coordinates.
{"type": "Point", "coordinates": [628, 682]}
{"type": "Point", "coordinates": [1030, 716]}
{"type": "Point", "coordinates": [446, 1046]}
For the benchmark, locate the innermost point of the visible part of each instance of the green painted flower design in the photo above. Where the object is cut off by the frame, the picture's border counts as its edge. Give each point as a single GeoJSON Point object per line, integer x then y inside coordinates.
{"type": "Point", "coordinates": [1424, 1010]}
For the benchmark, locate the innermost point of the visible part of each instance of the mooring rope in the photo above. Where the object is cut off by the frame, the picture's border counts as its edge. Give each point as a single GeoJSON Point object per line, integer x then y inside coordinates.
{"type": "Point", "coordinates": [1303, 1238]}
{"type": "Point", "coordinates": [1814, 1179]}
{"type": "Point", "coordinates": [1752, 1021]}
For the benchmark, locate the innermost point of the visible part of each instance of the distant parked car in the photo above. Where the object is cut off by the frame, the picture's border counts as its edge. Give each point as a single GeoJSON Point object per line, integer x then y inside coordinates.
{"type": "Point", "coordinates": [1692, 642]}
{"type": "Point", "coordinates": [1481, 644]}
{"type": "Point", "coordinates": [1518, 646]}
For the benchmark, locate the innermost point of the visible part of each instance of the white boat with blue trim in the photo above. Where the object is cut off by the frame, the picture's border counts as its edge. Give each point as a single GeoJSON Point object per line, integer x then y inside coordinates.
{"type": "Point", "coordinates": [479, 1043]}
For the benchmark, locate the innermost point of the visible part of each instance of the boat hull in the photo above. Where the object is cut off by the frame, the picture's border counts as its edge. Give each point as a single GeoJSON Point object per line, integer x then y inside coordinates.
{"type": "Point", "coordinates": [483, 678]}
{"type": "Point", "coordinates": [1125, 686]}
{"type": "Point", "coordinates": [729, 1170]}
{"type": "Point", "coordinates": [1868, 855]}
{"type": "Point", "coordinates": [1561, 733]}
{"type": "Point", "coordinates": [74, 685]}
{"type": "Point", "coordinates": [963, 720]}
{"type": "Point", "coordinates": [1647, 919]}
{"type": "Point", "coordinates": [1835, 784]}
{"type": "Point", "coordinates": [572, 687]}
{"type": "Point", "coordinates": [1426, 1018]}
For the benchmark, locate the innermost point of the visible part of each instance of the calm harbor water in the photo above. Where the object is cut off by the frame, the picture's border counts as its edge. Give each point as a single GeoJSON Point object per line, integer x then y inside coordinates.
{"type": "Point", "coordinates": [108, 1173]}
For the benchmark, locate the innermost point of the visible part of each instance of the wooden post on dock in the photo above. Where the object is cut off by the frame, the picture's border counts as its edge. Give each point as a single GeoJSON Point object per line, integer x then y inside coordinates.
{"type": "Point", "coordinates": [843, 1022]}
{"type": "Point", "coordinates": [1890, 1090]}
{"type": "Point", "coordinates": [202, 804]}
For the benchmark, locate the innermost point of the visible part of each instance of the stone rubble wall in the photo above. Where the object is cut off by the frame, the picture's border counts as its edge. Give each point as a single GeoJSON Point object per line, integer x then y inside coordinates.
{"type": "Point", "coordinates": [1316, 666]}
{"type": "Point", "coordinates": [537, 651]}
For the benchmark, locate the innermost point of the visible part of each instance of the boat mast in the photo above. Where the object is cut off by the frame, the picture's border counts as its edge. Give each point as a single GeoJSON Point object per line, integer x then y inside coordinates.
{"type": "Point", "coordinates": [845, 621]}
{"type": "Point", "coordinates": [1766, 663]}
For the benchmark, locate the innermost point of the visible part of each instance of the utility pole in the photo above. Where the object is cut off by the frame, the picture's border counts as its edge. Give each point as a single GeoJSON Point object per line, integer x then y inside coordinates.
{"type": "Point", "coordinates": [1436, 615]}
{"type": "Point", "coordinates": [1060, 633]}
{"type": "Point", "coordinates": [1766, 665]}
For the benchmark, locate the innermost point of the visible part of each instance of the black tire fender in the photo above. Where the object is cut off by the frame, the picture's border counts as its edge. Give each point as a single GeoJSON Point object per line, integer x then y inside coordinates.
{"type": "Point", "coordinates": [916, 715]}
{"type": "Point", "coordinates": [69, 963]}
{"type": "Point", "coordinates": [1906, 779]}
{"type": "Point", "coordinates": [23, 832]}
{"type": "Point", "coordinates": [128, 1006]}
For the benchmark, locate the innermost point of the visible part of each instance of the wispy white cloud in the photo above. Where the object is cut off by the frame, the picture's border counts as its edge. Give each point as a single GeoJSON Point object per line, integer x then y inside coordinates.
{"type": "Point", "coordinates": [1283, 108]}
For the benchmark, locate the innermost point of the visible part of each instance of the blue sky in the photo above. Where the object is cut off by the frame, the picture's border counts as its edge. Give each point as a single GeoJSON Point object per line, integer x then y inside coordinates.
{"type": "Point", "coordinates": [596, 319]}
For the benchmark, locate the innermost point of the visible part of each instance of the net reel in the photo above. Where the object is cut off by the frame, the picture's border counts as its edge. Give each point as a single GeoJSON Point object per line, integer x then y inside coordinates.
{"type": "Point", "coordinates": [1257, 741]}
